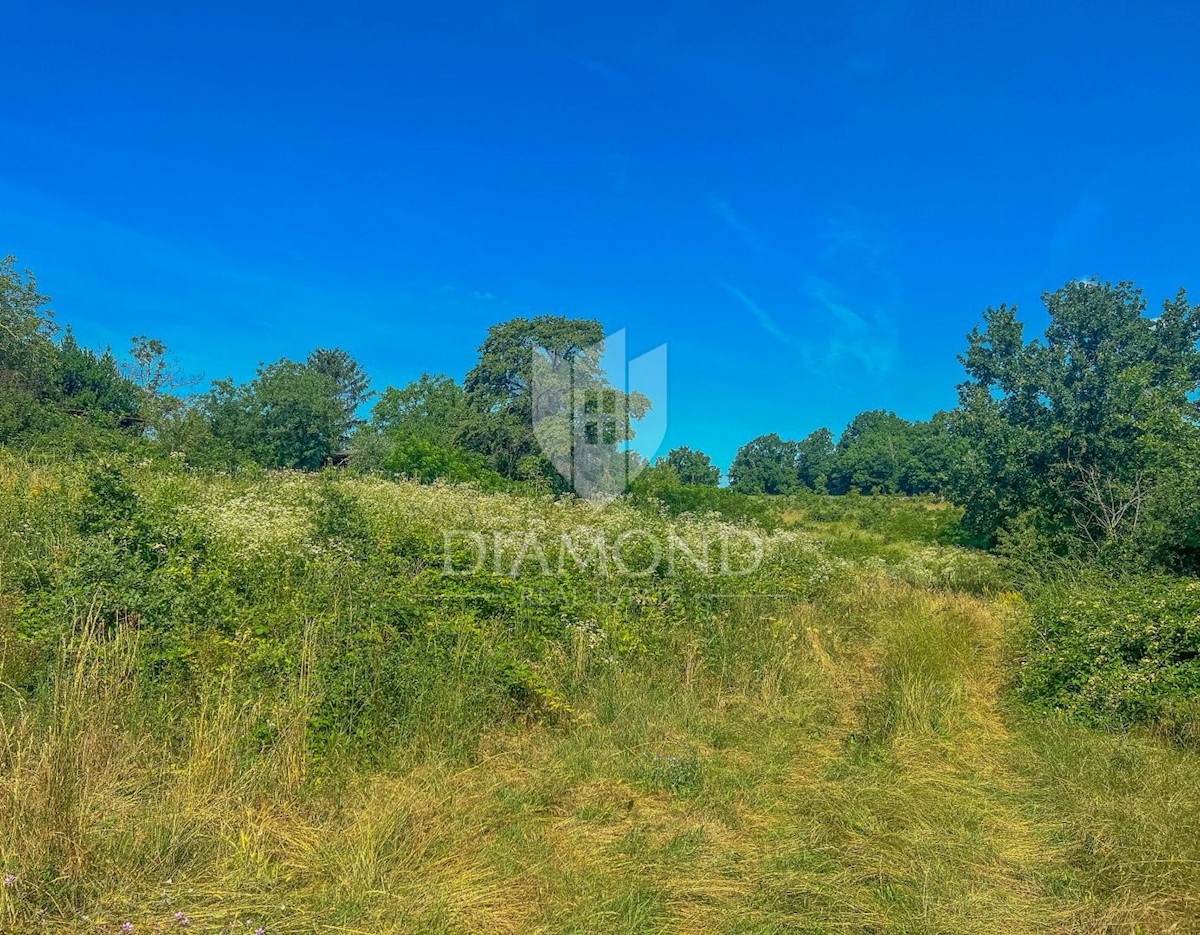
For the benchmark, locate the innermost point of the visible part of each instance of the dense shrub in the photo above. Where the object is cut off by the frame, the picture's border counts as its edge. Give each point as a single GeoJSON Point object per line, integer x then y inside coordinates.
{"type": "Point", "coordinates": [1117, 653]}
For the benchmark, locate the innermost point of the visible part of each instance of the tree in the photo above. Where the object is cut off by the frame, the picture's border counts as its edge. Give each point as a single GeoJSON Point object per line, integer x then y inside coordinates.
{"type": "Point", "coordinates": [934, 453]}
{"type": "Point", "coordinates": [352, 383]}
{"type": "Point", "coordinates": [423, 459]}
{"type": "Point", "coordinates": [1083, 435]}
{"type": "Point", "coordinates": [499, 385]}
{"type": "Point", "coordinates": [694, 467]}
{"type": "Point", "coordinates": [159, 381]}
{"type": "Point", "coordinates": [572, 402]}
{"type": "Point", "coordinates": [417, 431]}
{"type": "Point", "coordinates": [432, 407]}
{"type": "Point", "coordinates": [766, 465]}
{"type": "Point", "coordinates": [290, 415]}
{"type": "Point", "coordinates": [91, 384]}
{"type": "Point", "coordinates": [502, 377]}
{"type": "Point", "coordinates": [27, 353]}
{"type": "Point", "coordinates": [872, 454]}
{"type": "Point", "coordinates": [27, 329]}
{"type": "Point", "coordinates": [816, 456]}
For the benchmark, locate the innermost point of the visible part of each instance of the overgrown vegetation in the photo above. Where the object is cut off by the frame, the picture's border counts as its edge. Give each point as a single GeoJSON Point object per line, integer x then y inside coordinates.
{"type": "Point", "coordinates": [428, 689]}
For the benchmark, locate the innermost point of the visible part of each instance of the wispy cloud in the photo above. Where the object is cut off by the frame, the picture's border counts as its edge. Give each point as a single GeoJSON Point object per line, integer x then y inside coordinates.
{"type": "Point", "coordinates": [845, 233]}
{"type": "Point", "coordinates": [867, 337]}
{"type": "Point", "coordinates": [826, 295]}
{"type": "Point", "coordinates": [835, 334]}
{"type": "Point", "coordinates": [605, 72]}
{"type": "Point", "coordinates": [767, 322]}
{"type": "Point", "coordinates": [724, 210]}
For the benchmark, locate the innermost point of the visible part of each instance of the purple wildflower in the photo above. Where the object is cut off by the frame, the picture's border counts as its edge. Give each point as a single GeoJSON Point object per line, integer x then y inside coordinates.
{"type": "Point", "coordinates": [126, 927]}
{"type": "Point", "coordinates": [9, 879]}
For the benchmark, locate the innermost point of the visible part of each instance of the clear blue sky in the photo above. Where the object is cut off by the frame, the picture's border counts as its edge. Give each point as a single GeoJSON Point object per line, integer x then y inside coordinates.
{"type": "Point", "coordinates": [809, 205]}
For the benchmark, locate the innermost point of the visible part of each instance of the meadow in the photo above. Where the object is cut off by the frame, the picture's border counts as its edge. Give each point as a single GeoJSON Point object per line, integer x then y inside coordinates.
{"type": "Point", "coordinates": [273, 701]}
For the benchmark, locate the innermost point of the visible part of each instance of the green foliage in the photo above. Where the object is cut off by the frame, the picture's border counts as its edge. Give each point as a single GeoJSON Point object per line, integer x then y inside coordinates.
{"type": "Point", "coordinates": [659, 487]}
{"type": "Point", "coordinates": [766, 465]}
{"type": "Point", "coordinates": [573, 401]}
{"type": "Point", "coordinates": [352, 385]}
{"type": "Point", "coordinates": [816, 458]}
{"type": "Point", "coordinates": [60, 396]}
{"type": "Point", "coordinates": [878, 453]}
{"type": "Point", "coordinates": [426, 460]}
{"type": "Point", "coordinates": [881, 453]}
{"type": "Point", "coordinates": [694, 467]}
{"type": "Point", "coordinates": [897, 518]}
{"type": "Point", "coordinates": [91, 384]}
{"type": "Point", "coordinates": [1115, 653]}
{"type": "Point", "coordinates": [499, 384]}
{"type": "Point", "coordinates": [249, 579]}
{"type": "Point", "coordinates": [432, 407]}
{"type": "Point", "coordinates": [27, 330]}
{"type": "Point", "coordinates": [871, 454]}
{"type": "Point", "coordinates": [1085, 435]}
{"type": "Point", "coordinates": [290, 415]}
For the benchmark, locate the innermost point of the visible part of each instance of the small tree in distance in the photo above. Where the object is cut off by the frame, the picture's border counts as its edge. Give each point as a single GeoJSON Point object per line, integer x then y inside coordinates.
{"type": "Point", "coordinates": [694, 467]}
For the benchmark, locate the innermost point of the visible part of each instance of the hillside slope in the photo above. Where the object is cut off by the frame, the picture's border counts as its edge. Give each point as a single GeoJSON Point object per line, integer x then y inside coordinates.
{"type": "Point", "coordinates": [276, 710]}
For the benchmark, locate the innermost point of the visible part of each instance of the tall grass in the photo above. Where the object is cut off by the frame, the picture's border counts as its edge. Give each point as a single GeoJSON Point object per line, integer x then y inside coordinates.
{"type": "Point", "coordinates": [843, 758]}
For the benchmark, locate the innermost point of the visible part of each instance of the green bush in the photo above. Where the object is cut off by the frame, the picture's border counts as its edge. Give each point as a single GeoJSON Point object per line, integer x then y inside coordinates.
{"type": "Point", "coordinates": [1118, 653]}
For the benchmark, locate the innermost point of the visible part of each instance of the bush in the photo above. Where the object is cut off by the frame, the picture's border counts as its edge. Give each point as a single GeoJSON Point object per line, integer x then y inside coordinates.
{"type": "Point", "coordinates": [1115, 654]}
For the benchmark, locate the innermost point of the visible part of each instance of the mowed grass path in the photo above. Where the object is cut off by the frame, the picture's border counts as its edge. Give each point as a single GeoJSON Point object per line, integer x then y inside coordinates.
{"type": "Point", "coordinates": [846, 766]}
{"type": "Point", "coordinates": [866, 779]}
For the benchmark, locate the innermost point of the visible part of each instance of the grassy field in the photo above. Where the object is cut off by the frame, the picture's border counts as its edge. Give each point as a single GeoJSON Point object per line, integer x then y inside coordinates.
{"type": "Point", "coordinates": [827, 746]}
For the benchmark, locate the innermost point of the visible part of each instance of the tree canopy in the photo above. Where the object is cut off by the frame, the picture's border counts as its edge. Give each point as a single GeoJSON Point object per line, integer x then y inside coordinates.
{"type": "Point", "coordinates": [1082, 442]}
{"type": "Point", "coordinates": [1087, 436]}
{"type": "Point", "coordinates": [694, 467]}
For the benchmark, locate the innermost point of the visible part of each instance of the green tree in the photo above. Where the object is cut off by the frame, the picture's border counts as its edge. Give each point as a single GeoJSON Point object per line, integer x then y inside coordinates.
{"type": "Point", "coordinates": [500, 388]}
{"type": "Point", "coordinates": [816, 457]}
{"type": "Point", "coordinates": [766, 465]}
{"type": "Point", "coordinates": [27, 330]}
{"type": "Point", "coordinates": [290, 415]}
{"type": "Point", "coordinates": [417, 431]}
{"type": "Point", "coordinates": [159, 381]}
{"type": "Point", "coordinates": [91, 385]}
{"type": "Point", "coordinates": [872, 454]}
{"type": "Point", "coordinates": [28, 356]}
{"type": "Point", "coordinates": [1084, 437]}
{"type": "Point", "coordinates": [934, 453]}
{"type": "Point", "coordinates": [426, 460]}
{"type": "Point", "coordinates": [694, 467]}
{"type": "Point", "coordinates": [352, 383]}
{"type": "Point", "coordinates": [434, 407]}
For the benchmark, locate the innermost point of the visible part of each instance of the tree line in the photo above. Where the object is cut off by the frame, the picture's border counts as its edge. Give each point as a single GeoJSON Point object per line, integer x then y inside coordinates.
{"type": "Point", "coordinates": [1084, 442]}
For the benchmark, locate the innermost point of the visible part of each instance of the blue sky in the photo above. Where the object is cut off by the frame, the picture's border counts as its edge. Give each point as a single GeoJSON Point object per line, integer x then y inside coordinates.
{"type": "Point", "coordinates": [811, 205]}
